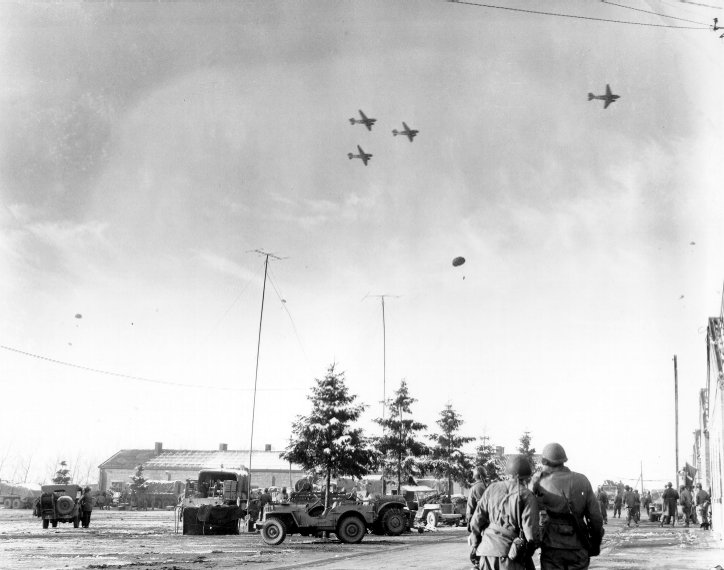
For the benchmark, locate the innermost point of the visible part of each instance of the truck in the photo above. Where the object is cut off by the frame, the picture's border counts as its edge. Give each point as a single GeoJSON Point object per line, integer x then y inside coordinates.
{"type": "Point", "coordinates": [430, 507]}
{"type": "Point", "coordinates": [348, 518]}
{"type": "Point", "coordinates": [215, 502]}
{"type": "Point", "coordinates": [59, 503]}
{"type": "Point", "coordinates": [19, 496]}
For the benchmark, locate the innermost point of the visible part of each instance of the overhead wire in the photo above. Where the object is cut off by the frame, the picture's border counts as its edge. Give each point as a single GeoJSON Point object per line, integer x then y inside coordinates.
{"type": "Point", "coordinates": [131, 376]}
{"type": "Point", "coordinates": [576, 16]}
{"type": "Point", "coordinates": [652, 12]}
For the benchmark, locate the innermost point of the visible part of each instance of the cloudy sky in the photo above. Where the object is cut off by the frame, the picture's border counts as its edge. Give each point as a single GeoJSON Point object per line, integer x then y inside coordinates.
{"type": "Point", "coordinates": [148, 148]}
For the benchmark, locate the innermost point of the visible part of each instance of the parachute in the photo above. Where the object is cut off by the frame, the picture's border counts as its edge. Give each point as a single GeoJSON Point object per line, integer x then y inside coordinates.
{"type": "Point", "coordinates": [458, 261]}
{"type": "Point", "coordinates": [78, 316]}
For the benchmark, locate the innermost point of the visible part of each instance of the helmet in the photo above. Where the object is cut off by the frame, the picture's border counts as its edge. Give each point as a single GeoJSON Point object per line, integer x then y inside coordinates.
{"type": "Point", "coordinates": [698, 485]}
{"type": "Point", "coordinates": [479, 473]}
{"type": "Point", "coordinates": [519, 466]}
{"type": "Point", "coordinates": [668, 484]}
{"type": "Point", "coordinates": [554, 454]}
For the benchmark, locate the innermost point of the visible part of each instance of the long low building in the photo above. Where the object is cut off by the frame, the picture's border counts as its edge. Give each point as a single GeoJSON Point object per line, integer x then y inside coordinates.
{"type": "Point", "coordinates": [268, 469]}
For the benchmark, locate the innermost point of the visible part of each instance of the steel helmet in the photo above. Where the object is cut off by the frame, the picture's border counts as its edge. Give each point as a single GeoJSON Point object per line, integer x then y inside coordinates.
{"type": "Point", "coordinates": [554, 454]}
{"type": "Point", "coordinates": [519, 466]}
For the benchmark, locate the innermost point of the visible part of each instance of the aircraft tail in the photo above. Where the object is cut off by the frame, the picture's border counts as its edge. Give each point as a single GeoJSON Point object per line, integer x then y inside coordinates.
{"type": "Point", "coordinates": [591, 96]}
{"type": "Point", "coordinates": [394, 132]}
{"type": "Point", "coordinates": [352, 121]}
{"type": "Point", "coordinates": [349, 155]}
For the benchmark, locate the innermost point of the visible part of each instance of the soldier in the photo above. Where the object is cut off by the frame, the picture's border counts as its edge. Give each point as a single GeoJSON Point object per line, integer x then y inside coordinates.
{"type": "Point", "coordinates": [504, 527]}
{"type": "Point", "coordinates": [86, 507]}
{"type": "Point", "coordinates": [702, 501]}
{"type": "Point", "coordinates": [669, 496]}
{"type": "Point", "coordinates": [646, 501]}
{"type": "Point", "coordinates": [476, 491]}
{"type": "Point", "coordinates": [574, 528]}
{"type": "Point", "coordinates": [686, 501]}
{"type": "Point", "coordinates": [617, 502]}
{"type": "Point", "coordinates": [602, 497]}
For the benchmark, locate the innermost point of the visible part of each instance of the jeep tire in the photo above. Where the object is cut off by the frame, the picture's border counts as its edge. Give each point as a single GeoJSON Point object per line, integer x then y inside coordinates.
{"type": "Point", "coordinates": [394, 522]}
{"type": "Point", "coordinates": [350, 530]}
{"type": "Point", "coordinates": [273, 532]}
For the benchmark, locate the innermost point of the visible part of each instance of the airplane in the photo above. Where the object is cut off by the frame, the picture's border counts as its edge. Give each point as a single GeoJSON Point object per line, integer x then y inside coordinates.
{"type": "Point", "coordinates": [363, 121]}
{"type": "Point", "coordinates": [608, 97]}
{"type": "Point", "coordinates": [362, 154]}
{"type": "Point", "coordinates": [408, 132]}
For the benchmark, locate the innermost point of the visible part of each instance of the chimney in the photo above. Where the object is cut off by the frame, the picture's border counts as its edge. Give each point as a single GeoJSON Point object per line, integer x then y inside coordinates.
{"type": "Point", "coordinates": [223, 447]}
{"type": "Point", "coordinates": [267, 447]}
{"type": "Point", "coordinates": [159, 447]}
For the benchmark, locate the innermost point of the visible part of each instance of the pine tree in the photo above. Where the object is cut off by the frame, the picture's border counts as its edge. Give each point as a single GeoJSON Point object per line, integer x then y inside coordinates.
{"type": "Point", "coordinates": [489, 460]}
{"type": "Point", "coordinates": [62, 475]}
{"type": "Point", "coordinates": [325, 441]}
{"type": "Point", "coordinates": [402, 455]}
{"type": "Point", "coordinates": [448, 459]}
{"type": "Point", "coordinates": [138, 484]}
{"type": "Point", "coordinates": [525, 449]}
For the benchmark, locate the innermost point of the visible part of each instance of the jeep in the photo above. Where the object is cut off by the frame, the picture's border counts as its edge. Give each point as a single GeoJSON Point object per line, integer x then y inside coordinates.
{"type": "Point", "coordinates": [59, 503]}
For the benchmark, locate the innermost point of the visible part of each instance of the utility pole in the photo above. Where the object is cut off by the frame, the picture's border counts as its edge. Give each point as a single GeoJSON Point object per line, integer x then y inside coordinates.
{"type": "Point", "coordinates": [676, 419]}
{"type": "Point", "coordinates": [384, 368]}
{"type": "Point", "coordinates": [642, 478]}
{"type": "Point", "coordinates": [267, 255]}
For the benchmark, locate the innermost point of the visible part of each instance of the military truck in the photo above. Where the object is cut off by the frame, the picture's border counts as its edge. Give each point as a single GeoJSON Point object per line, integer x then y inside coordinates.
{"type": "Point", "coordinates": [215, 502]}
{"type": "Point", "coordinates": [430, 508]}
{"type": "Point", "coordinates": [349, 519]}
{"type": "Point", "coordinates": [59, 503]}
{"type": "Point", "coordinates": [20, 496]}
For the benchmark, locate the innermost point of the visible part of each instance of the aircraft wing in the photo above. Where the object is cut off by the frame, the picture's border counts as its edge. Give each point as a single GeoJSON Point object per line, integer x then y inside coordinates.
{"type": "Point", "coordinates": [608, 91]}
{"type": "Point", "coordinates": [361, 114]}
{"type": "Point", "coordinates": [404, 124]}
{"type": "Point", "coordinates": [359, 148]}
{"type": "Point", "coordinates": [607, 103]}
{"type": "Point", "coordinates": [365, 158]}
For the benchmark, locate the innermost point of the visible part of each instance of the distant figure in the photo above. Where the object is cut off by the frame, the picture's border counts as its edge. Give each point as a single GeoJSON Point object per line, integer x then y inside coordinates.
{"type": "Point", "coordinates": [617, 503]}
{"type": "Point", "coordinates": [571, 504]}
{"type": "Point", "coordinates": [703, 502]}
{"type": "Point", "coordinates": [283, 496]}
{"type": "Point", "coordinates": [670, 497]}
{"type": "Point", "coordinates": [687, 502]}
{"type": "Point", "coordinates": [630, 499]}
{"type": "Point", "coordinates": [505, 529]}
{"type": "Point", "coordinates": [646, 501]}
{"type": "Point", "coordinates": [602, 497]}
{"type": "Point", "coordinates": [264, 499]}
{"type": "Point", "coordinates": [86, 507]}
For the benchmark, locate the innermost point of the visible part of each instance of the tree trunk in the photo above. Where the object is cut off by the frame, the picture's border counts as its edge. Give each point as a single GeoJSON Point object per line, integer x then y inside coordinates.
{"type": "Point", "coordinates": [326, 494]}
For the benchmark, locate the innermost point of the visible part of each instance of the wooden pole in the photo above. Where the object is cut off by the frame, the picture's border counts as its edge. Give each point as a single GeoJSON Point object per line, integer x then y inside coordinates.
{"type": "Point", "coordinates": [676, 420]}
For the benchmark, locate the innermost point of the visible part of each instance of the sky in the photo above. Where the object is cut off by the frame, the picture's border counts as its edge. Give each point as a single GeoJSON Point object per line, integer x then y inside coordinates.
{"type": "Point", "coordinates": [148, 149]}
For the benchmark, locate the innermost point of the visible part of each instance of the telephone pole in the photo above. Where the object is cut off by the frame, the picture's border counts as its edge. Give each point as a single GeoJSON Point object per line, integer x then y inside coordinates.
{"type": "Point", "coordinates": [266, 255]}
{"type": "Point", "coordinates": [676, 419]}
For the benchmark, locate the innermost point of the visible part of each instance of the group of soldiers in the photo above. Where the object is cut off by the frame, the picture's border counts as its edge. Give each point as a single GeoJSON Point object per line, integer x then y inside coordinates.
{"type": "Point", "coordinates": [555, 510]}
{"type": "Point", "coordinates": [633, 502]}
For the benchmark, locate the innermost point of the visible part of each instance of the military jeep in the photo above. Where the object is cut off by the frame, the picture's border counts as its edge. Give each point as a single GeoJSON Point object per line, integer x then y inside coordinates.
{"type": "Point", "coordinates": [59, 503]}
{"type": "Point", "coordinates": [349, 519]}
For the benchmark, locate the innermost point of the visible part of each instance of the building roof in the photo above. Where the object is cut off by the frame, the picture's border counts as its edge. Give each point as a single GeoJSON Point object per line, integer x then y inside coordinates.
{"type": "Point", "coordinates": [127, 459]}
{"type": "Point", "coordinates": [194, 460]}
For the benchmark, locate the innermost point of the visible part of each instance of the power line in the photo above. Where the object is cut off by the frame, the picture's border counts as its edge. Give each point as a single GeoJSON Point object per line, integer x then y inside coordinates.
{"type": "Point", "coordinates": [651, 12]}
{"type": "Point", "coordinates": [576, 17]}
{"type": "Point", "coordinates": [131, 376]}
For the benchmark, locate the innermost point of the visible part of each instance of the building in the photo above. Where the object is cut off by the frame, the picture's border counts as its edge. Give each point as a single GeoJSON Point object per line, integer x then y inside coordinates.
{"type": "Point", "coordinates": [268, 469]}
{"type": "Point", "coordinates": [709, 438]}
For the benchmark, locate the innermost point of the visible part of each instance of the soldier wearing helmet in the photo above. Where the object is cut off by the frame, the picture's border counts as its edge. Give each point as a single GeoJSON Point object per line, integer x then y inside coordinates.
{"type": "Point", "coordinates": [476, 491]}
{"type": "Point", "coordinates": [504, 527]}
{"type": "Point", "coordinates": [86, 507]}
{"type": "Point", "coordinates": [574, 526]}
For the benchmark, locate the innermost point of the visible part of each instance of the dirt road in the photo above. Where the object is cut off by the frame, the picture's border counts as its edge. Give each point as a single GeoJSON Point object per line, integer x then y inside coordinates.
{"type": "Point", "coordinates": [146, 540]}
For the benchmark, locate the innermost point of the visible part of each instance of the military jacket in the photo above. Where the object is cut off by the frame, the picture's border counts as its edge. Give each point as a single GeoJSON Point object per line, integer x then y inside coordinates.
{"type": "Point", "coordinates": [561, 491]}
{"type": "Point", "coordinates": [476, 492]}
{"type": "Point", "coordinates": [702, 497]}
{"type": "Point", "coordinates": [505, 509]}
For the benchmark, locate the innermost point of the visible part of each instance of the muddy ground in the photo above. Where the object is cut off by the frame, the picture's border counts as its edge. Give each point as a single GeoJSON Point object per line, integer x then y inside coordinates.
{"type": "Point", "coordinates": [146, 540]}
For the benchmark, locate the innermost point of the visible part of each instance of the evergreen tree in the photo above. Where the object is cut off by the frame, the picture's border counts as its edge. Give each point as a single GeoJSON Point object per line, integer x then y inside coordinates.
{"type": "Point", "coordinates": [325, 441]}
{"type": "Point", "coordinates": [402, 455]}
{"type": "Point", "coordinates": [525, 449]}
{"type": "Point", "coordinates": [138, 484]}
{"type": "Point", "coordinates": [487, 457]}
{"type": "Point", "coordinates": [448, 461]}
{"type": "Point", "coordinates": [62, 475]}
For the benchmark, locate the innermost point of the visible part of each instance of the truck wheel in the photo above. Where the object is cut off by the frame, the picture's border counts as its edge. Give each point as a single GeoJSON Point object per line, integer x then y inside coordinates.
{"type": "Point", "coordinates": [431, 518]}
{"type": "Point", "coordinates": [16, 503]}
{"type": "Point", "coordinates": [8, 503]}
{"type": "Point", "coordinates": [54, 523]}
{"type": "Point", "coordinates": [46, 523]}
{"type": "Point", "coordinates": [350, 530]}
{"type": "Point", "coordinates": [273, 532]}
{"type": "Point", "coordinates": [394, 522]}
